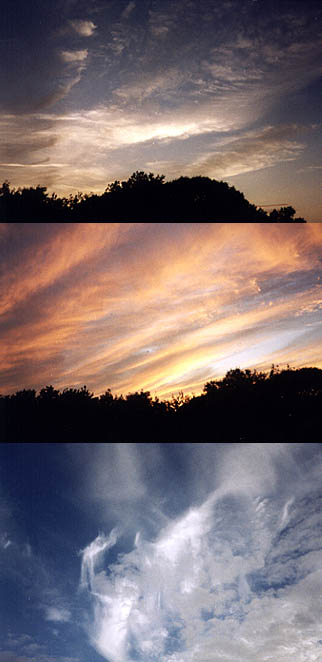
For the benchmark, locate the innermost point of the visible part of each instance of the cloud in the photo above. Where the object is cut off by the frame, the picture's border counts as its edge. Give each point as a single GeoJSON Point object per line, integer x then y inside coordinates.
{"type": "Point", "coordinates": [92, 554]}
{"type": "Point", "coordinates": [14, 641]}
{"type": "Point", "coordinates": [28, 139]}
{"type": "Point", "coordinates": [237, 574]}
{"type": "Point", "coordinates": [83, 28]}
{"type": "Point", "coordinates": [57, 614]}
{"type": "Point", "coordinates": [128, 9]}
{"type": "Point", "coordinates": [194, 140]}
{"type": "Point", "coordinates": [32, 648]}
{"type": "Point", "coordinates": [5, 542]}
{"type": "Point", "coordinates": [74, 56]}
{"type": "Point", "coordinates": [118, 481]}
{"type": "Point", "coordinates": [231, 78]}
{"type": "Point", "coordinates": [10, 656]}
{"type": "Point", "coordinates": [254, 150]}
{"type": "Point", "coordinates": [58, 261]}
{"type": "Point", "coordinates": [59, 93]}
{"type": "Point", "coordinates": [72, 283]}
{"type": "Point", "coordinates": [34, 586]}
{"type": "Point", "coordinates": [104, 137]}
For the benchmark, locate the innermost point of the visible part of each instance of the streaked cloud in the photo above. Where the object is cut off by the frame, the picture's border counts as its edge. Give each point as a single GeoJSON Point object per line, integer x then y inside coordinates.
{"type": "Point", "coordinates": [107, 136]}
{"type": "Point", "coordinates": [164, 96]}
{"type": "Point", "coordinates": [74, 56]}
{"type": "Point", "coordinates": [252, 151]}
{"type": "Point", "coordinates": [161, 306]}
{"type": "Point", "coordinates": [149, 89]}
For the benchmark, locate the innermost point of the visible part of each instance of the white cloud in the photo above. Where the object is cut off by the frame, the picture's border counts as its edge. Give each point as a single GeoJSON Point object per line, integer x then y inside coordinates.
{"type": "Point", "coordinates": [57, 614]}
{"type": "Point", "coordinates": [83, 28]}
{"type": "Point", "coordinates": [236, 577]}
{"type": "Point", "coordinates": [92, 554]}
{"type": "Point", "coordinates": [74, 56]}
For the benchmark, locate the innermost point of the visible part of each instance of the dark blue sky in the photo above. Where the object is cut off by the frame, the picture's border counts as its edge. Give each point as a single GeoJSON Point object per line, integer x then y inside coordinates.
{"type": "Point", "coordinates": [179, 552]}
{"type": "Point", "coordinates": [229, 89]}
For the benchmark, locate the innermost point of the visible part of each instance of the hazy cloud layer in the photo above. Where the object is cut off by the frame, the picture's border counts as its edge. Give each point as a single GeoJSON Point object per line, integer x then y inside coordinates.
{"type": "Point", "coordinates": [161, 306]}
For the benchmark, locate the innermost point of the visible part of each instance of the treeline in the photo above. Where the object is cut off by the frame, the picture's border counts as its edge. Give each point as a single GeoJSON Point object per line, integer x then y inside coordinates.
{"type": "Point", "coordinates": [143, 197]}
{"type": "Point", "coordinates": [246, 405]}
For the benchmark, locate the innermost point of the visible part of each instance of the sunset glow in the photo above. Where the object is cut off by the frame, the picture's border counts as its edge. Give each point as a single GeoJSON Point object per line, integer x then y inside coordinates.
{"type": "Point", "coordinates": [93, 91]}
{"type": "Point", "coordinates": [161, 307]}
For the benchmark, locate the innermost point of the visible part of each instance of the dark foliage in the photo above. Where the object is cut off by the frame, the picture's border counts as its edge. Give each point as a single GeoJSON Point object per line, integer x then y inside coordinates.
{"type": "Point", "coordinates": [246, 405]}
{"type": "Point", "coordinates": [143, 197]}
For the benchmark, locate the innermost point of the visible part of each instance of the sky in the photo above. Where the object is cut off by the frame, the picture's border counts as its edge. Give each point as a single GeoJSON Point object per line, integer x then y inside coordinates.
{"type": "Point", "coordinates": [159, 307]}
{"type": "Point", "coordinates": [148, 552]}
{"type": "Point", "coordinates": [93, 91]}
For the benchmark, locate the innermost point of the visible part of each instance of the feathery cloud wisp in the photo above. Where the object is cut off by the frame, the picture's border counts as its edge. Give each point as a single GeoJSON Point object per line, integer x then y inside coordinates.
{"type": "Point", "coordinates": [240, 303]}
{"type": "Point", "coordinates": [229, 575]}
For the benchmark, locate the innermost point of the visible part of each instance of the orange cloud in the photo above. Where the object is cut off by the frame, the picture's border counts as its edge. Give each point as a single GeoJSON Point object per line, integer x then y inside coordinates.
{"type": "Point", "coordinates": [158, 306]}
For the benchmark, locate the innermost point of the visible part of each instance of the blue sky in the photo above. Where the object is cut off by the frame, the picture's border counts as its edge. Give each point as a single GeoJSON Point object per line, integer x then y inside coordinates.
{"type": "Point", "coordinates": [172, 552]}
{"type": "Point", "coordinates": [231, 89]}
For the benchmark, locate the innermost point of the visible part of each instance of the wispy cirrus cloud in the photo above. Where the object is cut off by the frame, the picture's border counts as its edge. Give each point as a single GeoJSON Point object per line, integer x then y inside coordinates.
{"type": "Point", "coordinates": [106, 137]}
{"type": "Point", "coordinates": [229, 574]}
{"type": "Point", "coordinates": [81, 295]}
{"type": "Point", "coordinates": [160, 91]}
{"type": "Point", "coordinates": [232, 84]}
{"type": "Point", "coordinates": [251, 151]}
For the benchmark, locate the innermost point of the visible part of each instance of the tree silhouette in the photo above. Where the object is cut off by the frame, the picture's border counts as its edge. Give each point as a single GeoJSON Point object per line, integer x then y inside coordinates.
{"type": "Point", "coordinates": [285, 215]}
{"type": "Point", "coordinates": [282, 405]}
{"type": "Point", "coordinates": [141, 197]}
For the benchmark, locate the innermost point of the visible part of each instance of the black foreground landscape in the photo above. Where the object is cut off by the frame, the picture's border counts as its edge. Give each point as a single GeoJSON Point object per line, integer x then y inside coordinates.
{"type": "Point", "coordinates": [143, 197]}
{"type": "Point", "coordinates": [246, 405]}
